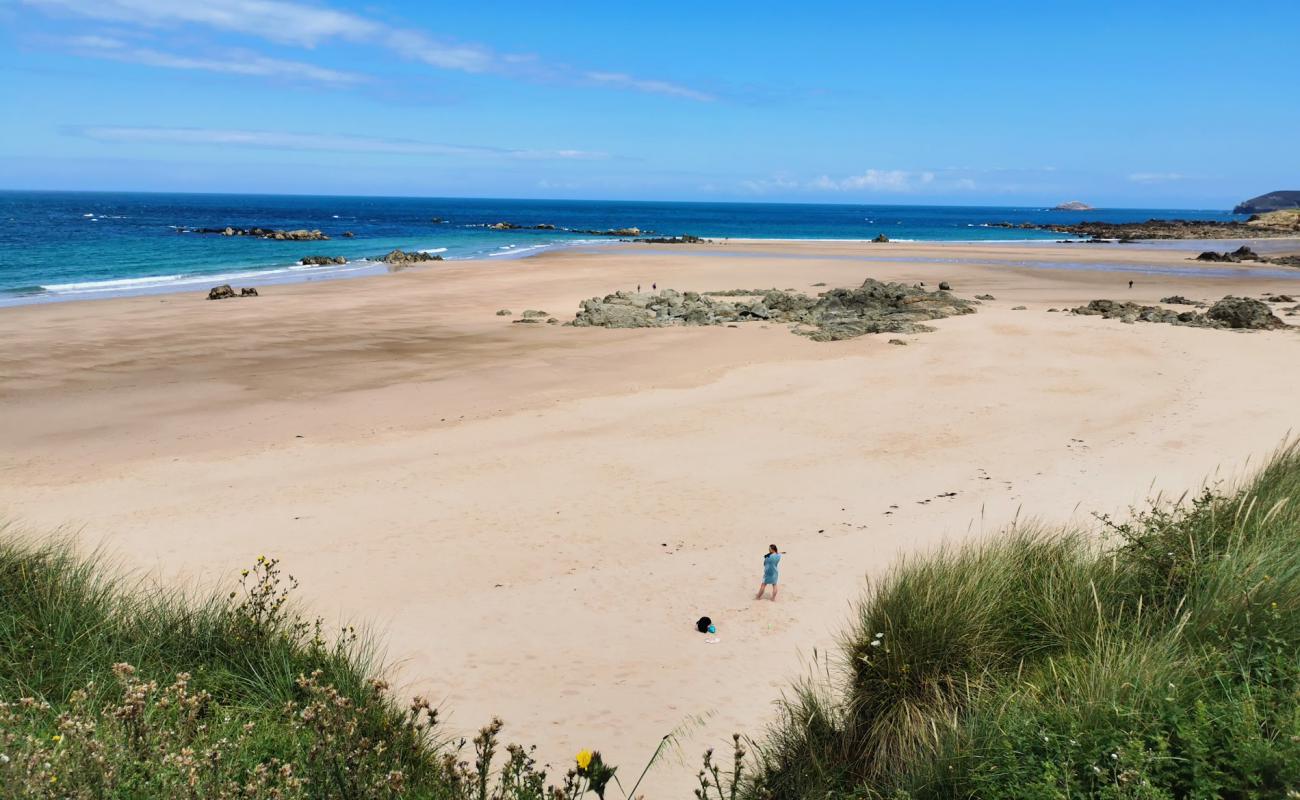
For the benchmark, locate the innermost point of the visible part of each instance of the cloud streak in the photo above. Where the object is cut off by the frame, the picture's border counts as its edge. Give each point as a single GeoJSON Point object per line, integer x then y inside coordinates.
{"type": "Point", "coordinates": [233, 63]}
{"type": "Point", "coordinates": [1156, 177]}
{"type": "Point", "coordinates": [309, 26]}
{"type": "Point", "coordinates": [284, 140]}
{"type": "Point", "coordinates": [623, 81]}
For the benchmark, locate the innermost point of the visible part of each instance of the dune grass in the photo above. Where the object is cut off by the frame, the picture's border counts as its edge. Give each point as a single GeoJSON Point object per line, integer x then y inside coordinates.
{"type": "Point", "coordinates": [1161, 663]}
{"type": "Point", "coordinates": [116, 689]}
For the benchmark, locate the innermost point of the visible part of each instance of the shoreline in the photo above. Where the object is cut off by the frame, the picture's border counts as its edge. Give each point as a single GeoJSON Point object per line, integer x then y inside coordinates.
{"type": "Point", "coordinates": [288, 275]}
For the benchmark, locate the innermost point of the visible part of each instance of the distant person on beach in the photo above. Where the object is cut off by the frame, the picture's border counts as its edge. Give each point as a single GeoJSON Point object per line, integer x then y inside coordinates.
{"type": "Point", "coordinates": [654, 287]}
{"type": "Point", "coordinates": [638, 288]}
{"type": "Point", "coordinates": [1130, 284]}
{"type": "Point", "coordinates": [771, 560]}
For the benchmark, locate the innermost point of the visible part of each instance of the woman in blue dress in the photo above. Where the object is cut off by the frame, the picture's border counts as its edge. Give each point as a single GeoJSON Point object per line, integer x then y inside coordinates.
{"type": "Point", "coordinates": [771, 560]}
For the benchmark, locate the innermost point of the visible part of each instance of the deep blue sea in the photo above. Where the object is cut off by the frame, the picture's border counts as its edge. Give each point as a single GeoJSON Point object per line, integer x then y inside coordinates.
{"type": "Point", "coordinates": [56, 245]}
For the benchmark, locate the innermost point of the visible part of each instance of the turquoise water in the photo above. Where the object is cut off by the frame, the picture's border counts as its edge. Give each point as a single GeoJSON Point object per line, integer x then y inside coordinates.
{"type": "Point", "coordinates": [59, 245]}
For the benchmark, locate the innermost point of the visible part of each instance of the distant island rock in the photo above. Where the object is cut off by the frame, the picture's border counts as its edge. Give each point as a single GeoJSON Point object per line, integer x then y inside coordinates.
{"type": "Point", "coordinates": [1273, 201]}
{"type": "Point", "coordinates": [1073, 205]}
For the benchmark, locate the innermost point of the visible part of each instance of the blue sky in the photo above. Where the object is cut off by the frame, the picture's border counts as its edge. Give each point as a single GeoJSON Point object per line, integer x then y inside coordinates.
{"type": "Point", "coordinates": [1156, 104]}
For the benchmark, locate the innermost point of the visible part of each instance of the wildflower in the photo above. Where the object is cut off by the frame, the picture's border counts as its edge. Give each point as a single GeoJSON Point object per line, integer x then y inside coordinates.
{"type": "Point", "coordinates": [1114, 756]}
{"type": "Point", "coordinates": [875, 642]}
{"type": "Point", "coordinates": [56, 738]}
{"type": "Point", "coordinates": [583, 758]}
{"type": "Point", "coordinates": [880, 635]}
{"type": "Point", "coordinates": [4, 759]}
{"type": "Point", "coordinates": [54, 779]}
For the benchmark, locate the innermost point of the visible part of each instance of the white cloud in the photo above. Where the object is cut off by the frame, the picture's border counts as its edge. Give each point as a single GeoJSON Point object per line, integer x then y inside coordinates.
{"type": "Point", "coordinates": [234, 63]}
{"type": "Point", "coordinates": [282, 140]}
{"type": "Point", "coordinates": [299, 24]}
{"type": "Point", "coordinates": [622, 80]}
{"type": "Point", "coordinates": [1156, 177]}
{"type": "Point", "coordinates": [889, 180]}
{"type": "Point", "coordinates": [883, 181]}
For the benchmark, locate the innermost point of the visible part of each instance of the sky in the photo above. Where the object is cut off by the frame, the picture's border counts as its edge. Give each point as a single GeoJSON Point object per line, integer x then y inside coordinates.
{"type": "Point", "coordinates": [1118, 104]}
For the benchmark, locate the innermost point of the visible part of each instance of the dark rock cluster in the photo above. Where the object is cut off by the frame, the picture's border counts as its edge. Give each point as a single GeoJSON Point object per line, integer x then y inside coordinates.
{"type": "Point", "coordinates": [874, 307]}
{"type": "Point", "coordinates": [399, 257]}
{"type": "Point", "coordinates": [262, 233]}
{"type": "Point", "coordinates": [1240, 313]}
{"type": "Point", "coordinates": [225, 291]}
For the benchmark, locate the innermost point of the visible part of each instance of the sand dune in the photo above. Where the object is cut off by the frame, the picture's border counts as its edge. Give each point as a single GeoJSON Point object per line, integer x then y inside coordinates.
{"type": "Point", "coordinates": [532, 516]}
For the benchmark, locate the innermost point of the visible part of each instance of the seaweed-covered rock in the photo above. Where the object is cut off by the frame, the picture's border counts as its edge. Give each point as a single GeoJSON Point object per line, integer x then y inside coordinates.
{"type": "Point", "coordinates": [1177, 300]}
{"type": "Point", "coordinates": [1245, 313]}
{"type": "Point", "coordinates": [321, 261]}
{"type": "Point", "coordinates": [221, 292]}
{"type": "Point", "coordinates": [1231, 312]}
{"type": "Point", "coordinates": [874, 307]}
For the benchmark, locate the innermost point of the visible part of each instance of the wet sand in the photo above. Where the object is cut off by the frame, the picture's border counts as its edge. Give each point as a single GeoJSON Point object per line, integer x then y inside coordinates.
{"type": "Point", "coordinates": [531, 517]}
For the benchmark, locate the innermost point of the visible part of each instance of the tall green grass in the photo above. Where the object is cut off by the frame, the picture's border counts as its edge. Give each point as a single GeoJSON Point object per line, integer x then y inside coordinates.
{"type": "Point", "coordinates": [1163, 662]}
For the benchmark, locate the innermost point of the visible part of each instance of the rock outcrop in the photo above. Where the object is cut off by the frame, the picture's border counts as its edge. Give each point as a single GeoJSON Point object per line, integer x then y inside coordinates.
{"type": "Point", "coordinates": [1273, 201]}
{"type": "Point", "coordinates": [874, 307]}
{"type": "Point", "coordinates": [401, 257]}
{"type": "Point", "coordinates": [1241, 313]}
{"type": "Point", "coordinates": [1073, 205]}
{"type": "Point", "coordinates": [225, 291]}
{"type": "Point", "coordinates": [1242, 253]}
{"type": "Point", "coordinates": [321, 261]}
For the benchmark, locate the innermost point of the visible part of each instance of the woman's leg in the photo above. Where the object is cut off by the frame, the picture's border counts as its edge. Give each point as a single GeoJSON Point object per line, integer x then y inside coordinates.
{"type": "Point", "coordinates": [774, 593]}
{"type": "Point", "coordinates": [761, 587]}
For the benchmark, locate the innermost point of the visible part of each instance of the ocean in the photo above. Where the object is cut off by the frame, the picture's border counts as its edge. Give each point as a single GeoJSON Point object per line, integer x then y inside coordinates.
{"type": "Point", "coordinates": [67, 245]}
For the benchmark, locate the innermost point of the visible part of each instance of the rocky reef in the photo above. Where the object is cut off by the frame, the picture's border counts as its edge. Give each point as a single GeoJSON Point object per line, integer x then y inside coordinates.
{"type": "Point", "coordinates": [685, 238]}
{"type": "Point", "coordinates": [321, 261]}
{"type": "Point", "coordinates": [874, 307]}
{"type": "Point", "coordinates": [546, 226]}
{"type": "Point", "coordinates": [1276, 223]}
{"type": "Point", "coordinates": [262, 233]}
{"type": "Point", "coordinates": [1239, 313]}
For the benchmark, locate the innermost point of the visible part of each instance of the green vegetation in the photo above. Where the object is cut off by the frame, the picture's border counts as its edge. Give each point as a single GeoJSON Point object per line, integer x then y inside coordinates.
{"type": "Point", "coordinates": [113, 690]}
{"type": "Point", "coordinates": [1164, 663]}
{"type": "Point", "coordinates": [1161, 663]}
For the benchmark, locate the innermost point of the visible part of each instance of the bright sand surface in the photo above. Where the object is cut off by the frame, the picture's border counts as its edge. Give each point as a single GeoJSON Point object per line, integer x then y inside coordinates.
{"type": "Point", "coordinates": [531, 517]}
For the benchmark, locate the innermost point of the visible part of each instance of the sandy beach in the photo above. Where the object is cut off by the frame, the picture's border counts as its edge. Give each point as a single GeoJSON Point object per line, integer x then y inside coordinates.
{"type": "Point", "coordinates": [530, 518]}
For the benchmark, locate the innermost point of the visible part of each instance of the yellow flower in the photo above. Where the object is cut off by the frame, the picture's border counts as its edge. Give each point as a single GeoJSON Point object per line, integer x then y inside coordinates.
{"type": "Point", "coordinates": [584, 759]}
{"type": "Point", "coordinates": [54, 779]}
{"type": "Point", "coordinates": [56, 738]}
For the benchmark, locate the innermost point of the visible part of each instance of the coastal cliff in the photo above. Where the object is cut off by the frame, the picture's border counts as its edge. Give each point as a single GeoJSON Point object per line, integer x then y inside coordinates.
{"type": "Point", "coordinates": [1273, 201]}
